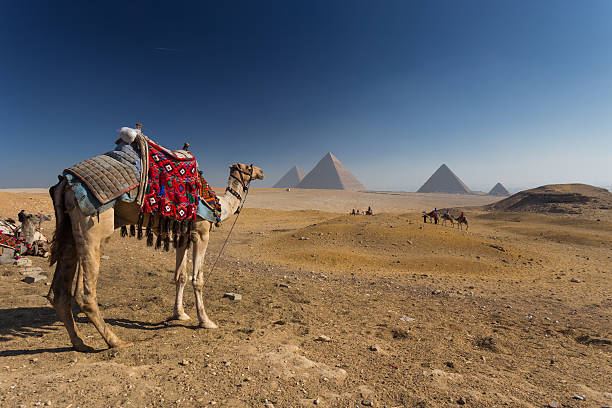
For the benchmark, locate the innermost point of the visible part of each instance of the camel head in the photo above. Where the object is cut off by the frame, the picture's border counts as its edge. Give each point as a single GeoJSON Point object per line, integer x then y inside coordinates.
{"type": "Point", "coordinates": [245, 173]}
{"type": "Point", "coordinates": [29, 223]}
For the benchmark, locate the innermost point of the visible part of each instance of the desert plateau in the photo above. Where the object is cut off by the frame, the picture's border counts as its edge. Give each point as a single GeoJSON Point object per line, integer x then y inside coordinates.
{"type": "Point", "coordinates": [335, 310]}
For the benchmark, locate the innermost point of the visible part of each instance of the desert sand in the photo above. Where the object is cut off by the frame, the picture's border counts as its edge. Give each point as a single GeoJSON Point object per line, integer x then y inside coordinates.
{"type": "Point", "coordinates": [336, 310]}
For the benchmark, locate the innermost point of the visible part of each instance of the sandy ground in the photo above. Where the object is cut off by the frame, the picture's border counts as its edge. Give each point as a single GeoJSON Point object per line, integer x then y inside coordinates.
{"type": "Point", "coordinates": [415, 315]}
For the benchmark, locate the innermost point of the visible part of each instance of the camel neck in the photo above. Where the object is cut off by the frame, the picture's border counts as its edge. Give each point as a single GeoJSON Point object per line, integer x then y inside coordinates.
{"type": "Point", "coordinates": [229, 200]}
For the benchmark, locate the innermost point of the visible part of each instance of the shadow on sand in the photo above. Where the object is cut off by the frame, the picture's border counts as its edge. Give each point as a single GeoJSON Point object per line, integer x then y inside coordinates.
{"type": "Point", "coordinates": [26, 322]}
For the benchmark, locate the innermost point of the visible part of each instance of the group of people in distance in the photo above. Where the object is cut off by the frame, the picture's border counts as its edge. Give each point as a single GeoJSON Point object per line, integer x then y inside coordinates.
{"type": "Point", "coordinates": [367, 212]}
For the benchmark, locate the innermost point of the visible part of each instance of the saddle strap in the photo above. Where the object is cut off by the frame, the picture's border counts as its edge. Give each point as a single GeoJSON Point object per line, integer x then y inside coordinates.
{"type": "Point", "coordinates": [143, 146]}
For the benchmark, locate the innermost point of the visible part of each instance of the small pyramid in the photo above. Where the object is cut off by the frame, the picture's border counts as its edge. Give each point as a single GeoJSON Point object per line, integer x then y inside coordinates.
{"type": "Point", "coordinates": [444, 181]}
{"type": "Point", "coordinates": [499, 190]}
{"type": "Point", "coordinates": [291, 179]}
{"type": "Point", "coordinates": [329, 173]}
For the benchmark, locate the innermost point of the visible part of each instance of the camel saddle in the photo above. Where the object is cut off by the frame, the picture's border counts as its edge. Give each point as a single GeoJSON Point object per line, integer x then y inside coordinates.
{"type": "Point", "coordinates": [111, 174]}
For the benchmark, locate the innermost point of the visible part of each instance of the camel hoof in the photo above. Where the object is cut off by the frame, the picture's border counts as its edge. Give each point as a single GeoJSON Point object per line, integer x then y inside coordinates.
{"type": "Point", "coordinates": [83, 348]}
{"type": "Point", "coordinates": [182, 316]}
{"type": "Point", "coordinates": [208, 325]}
{"type": "Point", "coordinates": [122, 344]}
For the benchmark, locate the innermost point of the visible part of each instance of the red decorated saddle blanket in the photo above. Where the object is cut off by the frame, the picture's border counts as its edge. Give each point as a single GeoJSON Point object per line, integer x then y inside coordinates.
{"type": "Point", "coordinates": [209, 197]}
{"type": "Point", "coordinates": [174, 185]}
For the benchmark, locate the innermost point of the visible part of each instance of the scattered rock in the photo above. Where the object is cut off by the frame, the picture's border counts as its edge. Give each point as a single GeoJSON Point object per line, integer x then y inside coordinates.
{"type": "Point", "coordinates": [461, 401]}
{"type": "Point", "coordinates": [105, 257]}
{"type": "Point", "coordinates": [450, 364]}
{"type": "Point", "coordinates": [33, 278]}
{"type": "Point", "coordinates": [553, 405]}
{"type": "Point", "coordinates": [436, 292]}
{"type": "Point", "coordinates": [317, 401]}
{"type": "Point", "coordinates": [323, 338]}
{"type": "Point", "coordinates": [23, 262]}
{"type": "Point", "coordinates": [232, 296]}
{"type": "Point", "coordinates": [498, 247]}
{"type": "Point", "coordinates": [407, 319]}
{"type": "Point", "coordinates": [574, 280]}
{"type": "Point", "coordinates": [282, 285]}
{"type": "Point", "coordinates": [366, 402]}
{"type": "Point", "coordinates": [579, 397]}
{"type": "Point", "coordinates": [185, 362]}
{"type": "Point", "coordinates": [374, 347]}
{"type": "Point", "coordinates": [31, 271]}
{"type": "Point", "coordinates": [303, 238]}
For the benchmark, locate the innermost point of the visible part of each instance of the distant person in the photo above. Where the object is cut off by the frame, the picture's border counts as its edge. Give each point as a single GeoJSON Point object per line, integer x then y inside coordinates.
{"type": "Point", "coordinates": [358, 211]}
{"type": "Point", "coordinates": [424, 217]}
{"type": "Point", "coordinates": [448, 212]}
{"type": "Point", "coordinates": [369, 212]}
{"type": "Point", "coordinates": [353, 213]}
{"type": "Point", "coordinates": [435, 215]}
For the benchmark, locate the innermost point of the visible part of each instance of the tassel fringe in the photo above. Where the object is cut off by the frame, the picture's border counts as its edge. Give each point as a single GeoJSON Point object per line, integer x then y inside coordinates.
{"type": "Point", "coordinates": [167, 230]}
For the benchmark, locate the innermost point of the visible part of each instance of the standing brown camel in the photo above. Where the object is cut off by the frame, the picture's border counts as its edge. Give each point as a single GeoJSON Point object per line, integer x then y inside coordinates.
{"type": "Point", "coordinates": [462, 220]}
{"type": "Point", "coordinates": [447, 217]}
{"type": "Point", "coordinates": [76, 250]}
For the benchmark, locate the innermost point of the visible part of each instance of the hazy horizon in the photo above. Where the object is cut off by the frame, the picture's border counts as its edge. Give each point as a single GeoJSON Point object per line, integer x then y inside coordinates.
{"type": "Point", "coordinates": [517, 93]}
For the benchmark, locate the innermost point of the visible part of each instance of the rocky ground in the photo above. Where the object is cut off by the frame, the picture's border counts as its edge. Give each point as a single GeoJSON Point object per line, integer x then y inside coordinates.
{"type": "Point", "coordinates": [336, 310]}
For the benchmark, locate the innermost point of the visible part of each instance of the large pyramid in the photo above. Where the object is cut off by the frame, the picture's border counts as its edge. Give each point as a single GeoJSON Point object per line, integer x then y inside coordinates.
{"type": "Point", "coordinates": [499, 190]}
{"type": "Point", "coordinates": [329, 173]}
{"type": "Point", "coordinates": [444, 181]}
{"type": "Point", "coordinates": [291, 179]}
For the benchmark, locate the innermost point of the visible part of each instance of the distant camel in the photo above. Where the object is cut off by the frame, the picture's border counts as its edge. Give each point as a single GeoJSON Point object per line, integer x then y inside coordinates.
{"type": "Point", "coordinates": [448, 217]}
{"type": "Point", "coordinates": [433, 216]}
{"type": "Point", "coordinates": [462, 220]}
{"type": "Point", "coordinates": [76, 248]}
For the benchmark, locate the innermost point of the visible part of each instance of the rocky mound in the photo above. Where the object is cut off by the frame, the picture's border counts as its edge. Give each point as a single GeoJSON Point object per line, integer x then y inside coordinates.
{"type": "Point", "coordinates": [557, 198]}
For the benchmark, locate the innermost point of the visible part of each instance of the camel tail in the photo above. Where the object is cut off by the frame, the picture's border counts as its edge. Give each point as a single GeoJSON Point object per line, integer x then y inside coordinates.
{"type": "Point", "coordinates": [63, 227]}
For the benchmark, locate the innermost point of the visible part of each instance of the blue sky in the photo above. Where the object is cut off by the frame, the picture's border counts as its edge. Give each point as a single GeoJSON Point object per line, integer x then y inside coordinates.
{"type": "Point", "coordinates": [512, 91]}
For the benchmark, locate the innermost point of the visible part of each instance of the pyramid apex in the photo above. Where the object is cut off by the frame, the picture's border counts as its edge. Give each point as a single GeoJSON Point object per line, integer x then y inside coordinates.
{"type": "Point", "coordinates": [329, 173]}
{"type": "Point", "coordinates": [291, 179]}
{"type": "Point", "coordinates": [444, 181]}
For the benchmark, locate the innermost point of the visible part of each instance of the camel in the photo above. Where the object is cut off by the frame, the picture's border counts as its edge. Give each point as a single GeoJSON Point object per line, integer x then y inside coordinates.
{"type": "Point", "coordinates": [462, 220]}
{"type": "Point", "coordinates": [447, 217]}
{"type": "Point", "coordinates": [76, 250]}
{"type": "Point", "coordinates": [432, 216]}
{"type": "Point", "coordinates": [29, 231]}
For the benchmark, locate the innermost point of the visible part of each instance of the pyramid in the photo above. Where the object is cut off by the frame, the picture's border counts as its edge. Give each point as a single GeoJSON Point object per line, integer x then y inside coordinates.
{"type": "Point", "coordinates": [499, 190]}
{"type": "Point", "coordinates": [444, 181]}
{"type": "Point", "coordinates": [329, 173]}
{"type": "Point", "coordinates": [291, 179]}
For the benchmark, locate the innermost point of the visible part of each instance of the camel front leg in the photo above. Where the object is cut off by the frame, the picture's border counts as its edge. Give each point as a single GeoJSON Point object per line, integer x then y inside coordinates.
{"type": "Point", "coordinates": [180, 278]}
{"type": "Point", "coordinates": [89, 232]}
{"type": "Point", "coordinates": [199, 250]}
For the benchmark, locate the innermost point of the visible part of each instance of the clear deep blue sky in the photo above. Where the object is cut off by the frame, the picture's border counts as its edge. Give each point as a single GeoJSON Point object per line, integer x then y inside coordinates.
{"type": "Point", "coordinates": [512, 91]}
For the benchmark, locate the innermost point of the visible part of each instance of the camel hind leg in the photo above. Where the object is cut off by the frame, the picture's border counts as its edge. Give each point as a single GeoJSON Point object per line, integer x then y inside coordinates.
{"type": "Point", "coordinates": [60, 296]}
{"type": "Point", "coordinates": [89, 232]}
{"type": "Point", "coordinates": [64, 256]}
